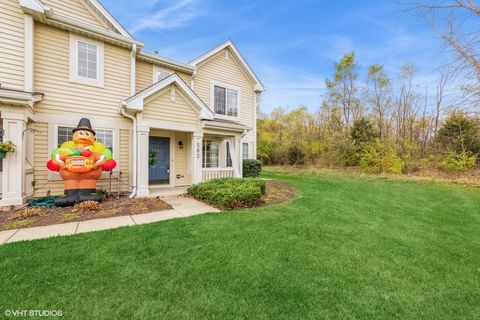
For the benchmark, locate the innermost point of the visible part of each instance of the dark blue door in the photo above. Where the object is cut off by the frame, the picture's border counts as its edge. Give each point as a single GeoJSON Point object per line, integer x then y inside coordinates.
{"type": "Point", "coordinates": [159, 160]}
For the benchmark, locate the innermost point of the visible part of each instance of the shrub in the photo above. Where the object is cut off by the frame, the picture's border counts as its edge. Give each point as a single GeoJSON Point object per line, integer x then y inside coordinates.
{"type": "Point", "coordinates": [251, 168]}
{"type": "Point", "coordinates": [460, 134]}
{"type": "Point", "coordinates": [296, 155]}
{"type": "Point", "coordinates": [379, 157]}
{"type": "Point", "coordinates": [459, 162]}
{"type": "Point", "coordinates": [229, 193]}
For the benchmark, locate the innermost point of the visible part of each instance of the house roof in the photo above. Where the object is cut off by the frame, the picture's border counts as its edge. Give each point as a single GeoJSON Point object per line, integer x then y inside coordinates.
{"type": "Point", "coordinates": [155, 58]}
{"type": "Point", "coordinates": [229, 125]}
{"type": "Point", "coordinates": [19, 97]}
{"type": "Point", "coordinates": [136, 102]}
{"type": "Point", "coordinates": [229, 44]}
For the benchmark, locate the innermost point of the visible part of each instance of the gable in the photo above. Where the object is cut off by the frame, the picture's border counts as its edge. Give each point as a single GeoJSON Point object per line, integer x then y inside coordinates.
{"type": "Point", "coordinates": [171, 105]}
{"type": "Point", "coordinates": [229, 49]}
{"type": "Point", "coordinates": [225, 70]}
{"type": "Point", "coordinates": [225, 61]}
{"type": "Point", "coordinates": [78, 10]}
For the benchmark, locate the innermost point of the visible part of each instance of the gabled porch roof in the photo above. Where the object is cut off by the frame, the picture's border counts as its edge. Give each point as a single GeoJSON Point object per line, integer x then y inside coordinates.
{"type": "Point", "coordinates": [136, 102]}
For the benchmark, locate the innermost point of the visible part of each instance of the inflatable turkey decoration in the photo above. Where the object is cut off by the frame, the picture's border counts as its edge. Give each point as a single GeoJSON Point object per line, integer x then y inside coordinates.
{"type": "Point", "coordinates": [80, 163]}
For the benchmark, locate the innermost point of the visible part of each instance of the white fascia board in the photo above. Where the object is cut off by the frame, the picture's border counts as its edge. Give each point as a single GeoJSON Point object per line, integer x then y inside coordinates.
{"type": "Point", "coordinates": [64, 21]}
{"type": "Point", "coordinates": [229, 44]}
{"type": "Point", "coordinates": [224, 126]}
{"type": "Point", "coordinates": [136, 102]}
{"type": "Point", "coordinates": [20, 98]}
{"type": "Point", "coordinates": [151, 57]}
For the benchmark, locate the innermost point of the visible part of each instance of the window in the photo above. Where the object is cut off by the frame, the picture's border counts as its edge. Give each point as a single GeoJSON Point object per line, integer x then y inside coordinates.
{"type": "Point", "coordinates": [225, 101]}
{"type": "Point", "coordinates": [86, 60]}
{"type": "Point", "coordinates": [162, 75]}
{"type": "Point", "coordinates": [229, 155]}
{"type": "Point", "coordinates": [245, 150]}
{"type": "Point", "coordinates": [211, 153]}
{"type": "Point", "coordinates": [104, 136]}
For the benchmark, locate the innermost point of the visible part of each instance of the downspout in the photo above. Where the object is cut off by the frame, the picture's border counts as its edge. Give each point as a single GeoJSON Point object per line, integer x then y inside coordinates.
{"type": "Point", "coordinates": [134, 120]}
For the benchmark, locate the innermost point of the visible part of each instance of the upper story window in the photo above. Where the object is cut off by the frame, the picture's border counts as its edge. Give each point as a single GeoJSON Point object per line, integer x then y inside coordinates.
{"type": "Point", "coordinates": [226, 100]}
{"type": "Point", "coordinates": [162, 75]}
{"type": "Point", "coordinates": [86, 60]}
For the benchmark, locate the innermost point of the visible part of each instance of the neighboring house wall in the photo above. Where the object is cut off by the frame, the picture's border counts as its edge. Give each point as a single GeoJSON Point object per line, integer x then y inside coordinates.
{"type": "Point", "coordinates": [225, 69]}
{"type": "Point", "coordinates": [11, 45]}
{"type": "Point", "coordinates": [65, 102]}
{"type": "Point", "coordinates": [75, 9]}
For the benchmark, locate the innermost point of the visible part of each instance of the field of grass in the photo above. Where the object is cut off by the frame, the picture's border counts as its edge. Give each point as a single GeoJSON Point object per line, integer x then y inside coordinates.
{"type": "Point", "coordinates": [348, 247]}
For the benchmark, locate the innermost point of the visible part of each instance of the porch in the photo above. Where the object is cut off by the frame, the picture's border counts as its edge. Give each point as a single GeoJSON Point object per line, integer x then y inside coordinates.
{"type": "Point", "coordinates": [170, 161]}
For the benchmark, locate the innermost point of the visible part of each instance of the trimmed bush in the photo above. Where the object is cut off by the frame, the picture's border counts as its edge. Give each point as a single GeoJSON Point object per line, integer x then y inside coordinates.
{"type": "Point", "coordinates": [251, 168]}
{"type": "Point", "coordinates": [229, 193]}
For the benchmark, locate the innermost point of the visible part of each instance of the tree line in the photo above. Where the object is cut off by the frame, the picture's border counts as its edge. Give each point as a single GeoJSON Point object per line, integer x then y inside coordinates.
{"type": "Point", "coordinates": [379, 124]}
{"type": "Point", "coordinates": [385, 124]}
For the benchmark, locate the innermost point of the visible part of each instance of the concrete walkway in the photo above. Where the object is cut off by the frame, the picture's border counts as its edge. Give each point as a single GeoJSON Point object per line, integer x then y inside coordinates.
{"type": "Point", "coordinates": [182, 207]}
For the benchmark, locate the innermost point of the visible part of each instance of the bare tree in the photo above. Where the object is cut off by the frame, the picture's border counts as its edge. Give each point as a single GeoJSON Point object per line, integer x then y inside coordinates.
{"type": "Point", "coordinates": [379, 97]}
{"type": "Point", "coordinates": [442, 82]}
{"type": "Point", "coordinates": [451, 21]}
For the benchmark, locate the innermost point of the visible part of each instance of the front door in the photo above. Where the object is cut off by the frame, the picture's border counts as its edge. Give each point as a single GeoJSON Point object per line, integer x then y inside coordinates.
{"type": "Point", "coordinates": [159, 160]}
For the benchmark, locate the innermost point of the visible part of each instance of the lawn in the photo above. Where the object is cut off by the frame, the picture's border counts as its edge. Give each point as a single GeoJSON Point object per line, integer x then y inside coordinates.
{"type": "Point", "coordinates": [348, 247]}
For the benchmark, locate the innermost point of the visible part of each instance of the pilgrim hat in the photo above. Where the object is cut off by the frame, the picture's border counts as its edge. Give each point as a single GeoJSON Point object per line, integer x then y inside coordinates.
{"type": "Point", "coordinates": [84, 124]}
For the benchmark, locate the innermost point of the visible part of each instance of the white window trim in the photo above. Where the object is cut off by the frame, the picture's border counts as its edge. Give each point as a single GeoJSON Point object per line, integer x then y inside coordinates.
{"type": "Point", "coordinates": [53, 144]}
{"type": "Point", "coordinates": [74, 77]}
{"type": "Point", "coordinates": [214, 83]}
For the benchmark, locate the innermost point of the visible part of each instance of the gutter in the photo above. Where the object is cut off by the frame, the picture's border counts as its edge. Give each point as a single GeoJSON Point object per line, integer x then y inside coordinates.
{"type": "Point", "coordinates": [124, 113]}
{"type": "Point", "coordinates": [156, 59]}
{"type": "Point", "coordinates": [69, 23]}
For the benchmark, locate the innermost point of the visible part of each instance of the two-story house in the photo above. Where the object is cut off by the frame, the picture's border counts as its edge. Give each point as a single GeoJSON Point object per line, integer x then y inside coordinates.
{"type": "Point", "coordinates": [168, 123]}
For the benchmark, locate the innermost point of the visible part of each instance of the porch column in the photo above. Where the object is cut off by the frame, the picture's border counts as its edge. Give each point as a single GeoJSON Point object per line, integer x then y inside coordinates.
{"type": "Point", "coordinates": [142, 157]}
{"type": "Point", "coordinates": [14, 124]}
{"type": "Point", "coordinates": [238, 147]}
{"type": "Point", "coordinates": [197, 149]}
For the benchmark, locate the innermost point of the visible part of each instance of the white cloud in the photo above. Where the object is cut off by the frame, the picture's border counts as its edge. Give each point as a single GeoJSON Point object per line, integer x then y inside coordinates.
{"type": "Point", "coordinates": [174, 16]}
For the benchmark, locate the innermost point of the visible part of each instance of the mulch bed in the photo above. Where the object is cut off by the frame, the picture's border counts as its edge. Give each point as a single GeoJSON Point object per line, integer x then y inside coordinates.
{"type": "Point", "coordinates": [110, 207]}
{"type": "Point", "coordinates": [277, 192]}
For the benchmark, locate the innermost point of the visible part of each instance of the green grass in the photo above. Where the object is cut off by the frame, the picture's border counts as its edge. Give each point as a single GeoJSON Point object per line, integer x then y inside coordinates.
{"type": "Point", "coordinates": [349, 247]}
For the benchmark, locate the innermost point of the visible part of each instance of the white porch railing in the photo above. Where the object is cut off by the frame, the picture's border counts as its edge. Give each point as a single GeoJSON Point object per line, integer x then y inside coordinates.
{"type": "Point", "coordinates": [216, 173]}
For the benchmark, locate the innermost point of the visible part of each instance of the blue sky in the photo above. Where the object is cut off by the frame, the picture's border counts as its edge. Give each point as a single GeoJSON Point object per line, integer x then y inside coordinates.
{"type": "Point", "coordinates": [291, 45]}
